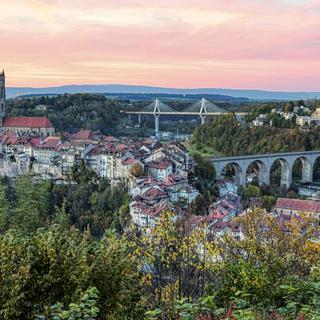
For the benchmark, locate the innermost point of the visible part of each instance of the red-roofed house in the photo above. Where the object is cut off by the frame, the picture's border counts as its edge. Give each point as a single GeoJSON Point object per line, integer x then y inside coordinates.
{"type": "Point", "coordinates": [146, 216]}
{"type": "Point", "coordinates": [82, 135]}
{"type": "Point", "coordinates": [110, 139]}
{"type": "Point", "coordinates": [154, 193]}
{"type": "Point", "coordinates": [296, 206]}
{"type": "Point", "coordinates": [39, 125]}
{"type": "Point", "coordinates": [45, 152]}
{"type": "Point", "coordinates": [161, 169]}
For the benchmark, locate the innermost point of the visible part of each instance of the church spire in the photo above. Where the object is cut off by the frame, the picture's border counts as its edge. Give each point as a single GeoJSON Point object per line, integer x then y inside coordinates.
{"type": "Point", "coordinates": [2, 97]}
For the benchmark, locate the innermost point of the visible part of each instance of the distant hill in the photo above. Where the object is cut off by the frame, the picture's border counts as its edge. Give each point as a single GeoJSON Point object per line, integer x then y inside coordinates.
{"type": "Point", "coordinates": [152, 96]}
{"type": "Point", "coordinates": [131, 89]}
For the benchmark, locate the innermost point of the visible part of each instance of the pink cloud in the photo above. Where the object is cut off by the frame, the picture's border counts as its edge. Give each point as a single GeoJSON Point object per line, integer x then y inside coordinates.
{"type": "Point", "coordinates": [205, 43]}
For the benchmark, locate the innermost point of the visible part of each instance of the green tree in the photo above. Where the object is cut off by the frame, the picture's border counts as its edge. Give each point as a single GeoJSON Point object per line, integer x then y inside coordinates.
{"type": "Point", "coordinates": [86, 309]}
{"type": "Point", "coordinates": [31, 209]}
{"type": "Point", "coordinates": [57, 264]}
{"type": "Point", "coordinates": [4, 210]}
{"type": "Point", "coordinates": [83, 174]}
{"type": "Point", "coordinates": [204, 169]}
{"type": "Point", "coordinates": [268, 202]}
{"type": "Point", "coordinates": [61, 217]}
{"type": "Point", "coordinates": [251, 191]}
{"type": "Point", "coordinates": [114, 271]}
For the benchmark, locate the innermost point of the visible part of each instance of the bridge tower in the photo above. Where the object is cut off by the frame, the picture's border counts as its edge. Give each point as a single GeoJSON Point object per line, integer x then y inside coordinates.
{"type": "Point", "coordinates": [156, 108]}
{"type": "Point", "coordinates": [204, 108]}
{"type": "Point", "coordinates": [2, 97]}
{"type": "Point", "coordinates": [203, 111]}
{"type": "Point", "coordinates": [156, 114]}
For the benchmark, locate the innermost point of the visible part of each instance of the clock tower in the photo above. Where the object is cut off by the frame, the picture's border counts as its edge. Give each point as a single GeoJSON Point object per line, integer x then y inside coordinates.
{"type": "Point", "coordinates": [2, 97]}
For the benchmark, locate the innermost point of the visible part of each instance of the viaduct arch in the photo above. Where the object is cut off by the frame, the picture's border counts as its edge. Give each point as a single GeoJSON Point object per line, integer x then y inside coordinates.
{"type": "Point", "coordinates": [264, 162]}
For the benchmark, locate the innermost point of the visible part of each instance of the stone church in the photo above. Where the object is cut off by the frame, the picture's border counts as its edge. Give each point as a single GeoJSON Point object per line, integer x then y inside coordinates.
{"type": "Point", "coordinates": [20, 125]}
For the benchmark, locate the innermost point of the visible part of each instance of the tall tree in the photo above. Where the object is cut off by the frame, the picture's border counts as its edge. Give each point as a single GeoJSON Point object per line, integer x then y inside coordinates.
{"type": "Point", "coordinates": [32, 205]}
{"type": "Point", "coordinates": [4, 210]}
{"type": "Point", "coordinates": [173, 262]}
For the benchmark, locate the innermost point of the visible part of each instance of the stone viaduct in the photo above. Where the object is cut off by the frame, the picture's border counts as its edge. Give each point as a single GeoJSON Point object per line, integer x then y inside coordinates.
{"type": "Point", "coordinates": [264, 163]}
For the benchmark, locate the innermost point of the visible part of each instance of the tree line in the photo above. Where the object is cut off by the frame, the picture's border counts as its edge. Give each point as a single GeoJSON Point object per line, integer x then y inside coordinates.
{"type": "Point", "coordinates": [71, 112]}
{"type": "Point", "coordinates": [227, 136]}
{"type": "Point", "coordinates": [27, 204]}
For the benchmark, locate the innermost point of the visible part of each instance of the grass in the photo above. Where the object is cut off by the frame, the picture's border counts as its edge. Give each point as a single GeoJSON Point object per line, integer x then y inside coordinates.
{"type": "Point", "coordinates": [204, 151]}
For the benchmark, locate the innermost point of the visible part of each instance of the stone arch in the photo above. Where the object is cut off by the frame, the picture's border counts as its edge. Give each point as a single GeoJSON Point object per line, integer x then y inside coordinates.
{"type": "Point", "coordinates": [316, 169]}
{"type": "Point", "coordinates": [239, 176]}
{"type": "Point", "coordinates": [306, 168]}
{"type": "Point", "coordinates": [261, 170]}
{"type": "Point", "coordinates": [286, 172]}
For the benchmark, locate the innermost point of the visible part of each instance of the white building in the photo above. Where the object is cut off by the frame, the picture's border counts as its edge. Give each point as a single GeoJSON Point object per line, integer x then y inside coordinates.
{"type": "Point", "coordinates": [47, 151]}
{"type": "Point", "coordinates": [160, 170]}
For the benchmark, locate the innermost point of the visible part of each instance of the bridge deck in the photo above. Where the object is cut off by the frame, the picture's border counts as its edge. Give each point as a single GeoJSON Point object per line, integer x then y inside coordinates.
{"type": "Point", "coordinates": [183, 113]}
{"type": "Point", "coordinates": [266, 155]}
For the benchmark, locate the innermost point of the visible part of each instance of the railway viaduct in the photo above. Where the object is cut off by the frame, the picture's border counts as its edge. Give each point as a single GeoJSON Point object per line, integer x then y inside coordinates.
{"type": "Point", "coordinates": [264, 162]}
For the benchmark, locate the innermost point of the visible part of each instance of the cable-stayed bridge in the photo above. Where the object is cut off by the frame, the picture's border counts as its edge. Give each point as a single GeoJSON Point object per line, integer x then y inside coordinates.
{"type": "Point", "coordinates": [202, 108]}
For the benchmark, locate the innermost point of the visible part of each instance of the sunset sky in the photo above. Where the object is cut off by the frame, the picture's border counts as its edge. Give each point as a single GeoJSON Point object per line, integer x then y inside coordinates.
{"type": "Point", "coordinates": [261, 44]}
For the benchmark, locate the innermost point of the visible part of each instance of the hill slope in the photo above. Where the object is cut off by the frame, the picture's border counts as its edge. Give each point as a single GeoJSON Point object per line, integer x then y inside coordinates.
{"type": "Point", "coordinates": [115, 88]}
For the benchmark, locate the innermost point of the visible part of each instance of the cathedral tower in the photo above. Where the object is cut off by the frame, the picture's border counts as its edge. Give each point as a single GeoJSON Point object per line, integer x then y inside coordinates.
{"type": "Point", "coordinates": [2, 97]}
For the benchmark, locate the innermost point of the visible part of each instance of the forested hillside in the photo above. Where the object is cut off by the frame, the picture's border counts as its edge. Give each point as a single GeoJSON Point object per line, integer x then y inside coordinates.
{"type": "Point", "coordinates": [71, 112]}
{"type": "Point", "coordinates": [226, 136]}
{"type": "Point", "coordinates": [54, 268]}
{"type": "Point", "coordinates": [27, 205]}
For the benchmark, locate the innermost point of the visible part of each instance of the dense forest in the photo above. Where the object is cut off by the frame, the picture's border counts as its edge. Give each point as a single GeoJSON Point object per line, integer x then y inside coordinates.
{"type": "Point", "coordinates": [27, 204]}
{"type": "Point", "coordinates": [53, 267]}
{"type": "Point", "coordinates": [71, 112]}
{"type": "Point", "coordinates": [226, 136]}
